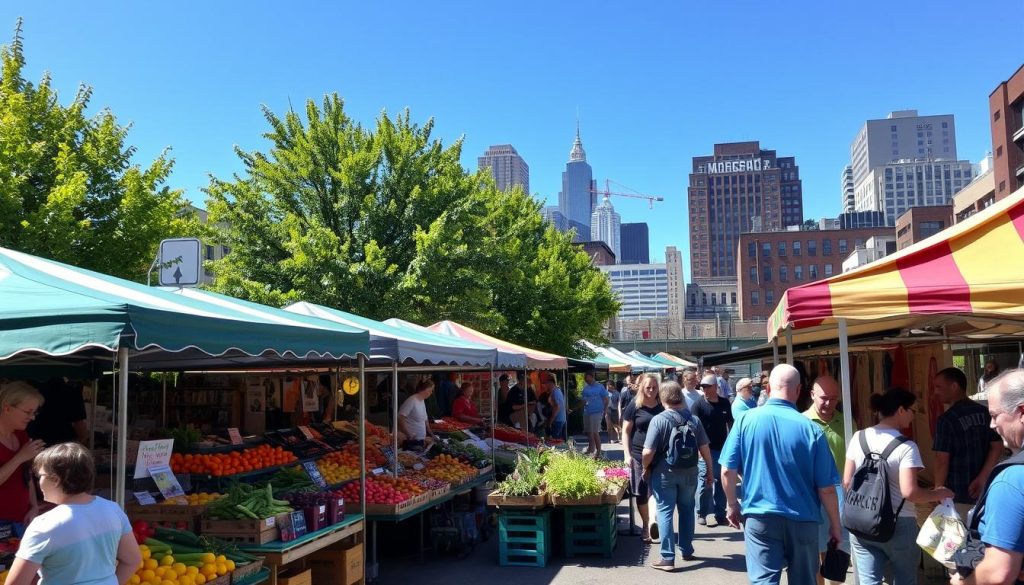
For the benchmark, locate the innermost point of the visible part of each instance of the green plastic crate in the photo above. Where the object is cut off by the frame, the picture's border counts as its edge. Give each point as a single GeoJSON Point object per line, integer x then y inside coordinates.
{"type": "Point", "coordinates": [524, 538]}
{"type": "Point", "coordinates": [590, 530]}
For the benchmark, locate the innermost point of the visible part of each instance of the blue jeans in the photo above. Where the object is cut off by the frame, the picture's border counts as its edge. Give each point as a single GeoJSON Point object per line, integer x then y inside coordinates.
{"type": "Point", "coordinates": [775, 542]}
{"type": "Point", "coordinates": [675, 490]}
{"type": "Point", "coordinates": [900, 552]}
{"type": "Point", "coordinates": [558, 430]}
{"type": "Point", "coordinates": [708, 494]}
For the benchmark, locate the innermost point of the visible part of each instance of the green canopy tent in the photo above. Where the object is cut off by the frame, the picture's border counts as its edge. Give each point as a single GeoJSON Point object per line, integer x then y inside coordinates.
{"type": "Point", "coordinates": [53, 313]}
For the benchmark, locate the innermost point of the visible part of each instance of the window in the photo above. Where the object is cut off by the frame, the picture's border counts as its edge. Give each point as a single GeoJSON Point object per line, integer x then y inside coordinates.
{"type": "Point", "coordinates": [713, 299]}
{"type": "Point", "coordinates": [812, 248]}
{"type": "Point", "coordinates": [703, 298]}
{"type": "Point", "coordinates": [767, 273]}
{"type": "Point", "coordinates": [796, 248]}
{"type": "Point", "coordinates": [209, 252]}
{"type": "Point", "coordinates": [812, 272]}
{"type": "Point", "coordinates": [766, 249]}
{"type": "Point", "coordinates": [995, 116]}
{"type": "Point", "coordinates": [755, 298]}
{"type": "Point", "coordinates": [826, 247]}
{"type": "Point", "coordinates": [769, 297]}
{"type": "Point", "coordinates": [798, 272]}
{"type": "Point", "coordinates": [733, 298]}
{"type": "Point", "coordinates": [842, 246]}
{"type": "Point", "coordinates": [753, 274]}
{"type": "Point", "coordinates": [828, 270]}
{"type": "Point", "coordinates": [723, 299]}
{"type": "Point", "coordinates": [693, 299]}
{"type": "Point", "coordinates": [783, 274]}
{"type": "Point", "coordinates": [930, 228]}
{"type": "Point", "coordinates": [782, 249]}
{"type": "Point", "coordinates": [751, 249]}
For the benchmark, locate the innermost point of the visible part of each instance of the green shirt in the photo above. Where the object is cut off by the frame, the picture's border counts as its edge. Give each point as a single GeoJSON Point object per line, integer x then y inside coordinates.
{"type": "Point", "coordinates": [834, 434]}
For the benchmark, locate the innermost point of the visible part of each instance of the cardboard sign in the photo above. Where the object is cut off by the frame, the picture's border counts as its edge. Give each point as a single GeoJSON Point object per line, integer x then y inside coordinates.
{"type": "Point", "coordinates": [314, 474]}
{"type": "Point", "coordinates": [235, 436]}
{"type": "Point", "coordinates": [378, 471]}
{"type": "Point", "coordinates": [166, 482]}
{"type": "Point", "coordinates": [144, 498]}
{"type": "Point", "coordinates": [152, 454]}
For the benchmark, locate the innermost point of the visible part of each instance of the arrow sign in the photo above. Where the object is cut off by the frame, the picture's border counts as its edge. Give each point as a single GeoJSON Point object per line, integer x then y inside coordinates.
{"type": "Point", "coordinates": [180, 263]}
{"type": "Point", "coordinates": [177, 275]}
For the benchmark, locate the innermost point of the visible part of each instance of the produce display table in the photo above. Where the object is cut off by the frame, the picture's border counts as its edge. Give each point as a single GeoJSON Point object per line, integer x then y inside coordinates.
{"type": "Point", "coordinates": [276, 554]}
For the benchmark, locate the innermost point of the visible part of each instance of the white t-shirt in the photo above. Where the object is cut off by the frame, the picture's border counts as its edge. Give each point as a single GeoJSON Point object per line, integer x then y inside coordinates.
{"type": "Point", "coordinates": [76, 543]}
{"type": "Point", "coordinates": [415, 410]}
{"type": "Point", "coordinates": [906, 455]}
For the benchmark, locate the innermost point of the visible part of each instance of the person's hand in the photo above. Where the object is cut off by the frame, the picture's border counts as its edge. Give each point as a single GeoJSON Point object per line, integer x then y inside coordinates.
{"type": "Point", "coordinates": [626, 458]}
{"type": "Point", "coordinates": [708, 478]}
{"type": "Point", "coordinates": [955, 579]}
{"type": "Point", "coordinates": [733, 516]}
{"type": "Point", "coordinates": [29, 450]}
{"type": "Point", "coordinates": [834, 534]}
{"type": "Point", "coordinates": [647, 475]}
{"type": "Point", "coordinates": [974, 488]}
{"type": "Point", "coordinates": [941, 493]}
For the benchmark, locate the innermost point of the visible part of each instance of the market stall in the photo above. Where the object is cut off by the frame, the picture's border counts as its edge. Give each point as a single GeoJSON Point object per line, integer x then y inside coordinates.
{"type": "Point", "coordinates": [669, 359]}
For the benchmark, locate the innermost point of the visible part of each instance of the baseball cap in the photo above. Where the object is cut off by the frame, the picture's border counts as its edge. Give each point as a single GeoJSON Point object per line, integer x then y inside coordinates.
{"type": "Point", "coordinates": [503, 378]}
{"type": "Point", "coordinates": [709, 380]}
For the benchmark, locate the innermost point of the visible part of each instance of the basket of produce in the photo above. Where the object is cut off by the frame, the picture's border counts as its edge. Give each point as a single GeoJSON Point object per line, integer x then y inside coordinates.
{"type": "Point", "coordinates": [523, 488]}
{"type": "Point", "coordinates": [450, 469]}
{"type": "Point", "coordinates": [385, 494]}
{"type": "Point", "coordinates": [246, 514]}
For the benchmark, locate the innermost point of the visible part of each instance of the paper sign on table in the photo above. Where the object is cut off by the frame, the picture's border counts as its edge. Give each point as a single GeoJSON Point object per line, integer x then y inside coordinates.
{"type": "Point", "coordinates": [236, 437]}
{"type": "Point", "coordinates": [144, 498]}
{"type": "Point", "coordinates": [152, 454]}
{"type": "Point", "coordinates": [314, 474]}
{"type": "Point", "coordinates": [166, 482]}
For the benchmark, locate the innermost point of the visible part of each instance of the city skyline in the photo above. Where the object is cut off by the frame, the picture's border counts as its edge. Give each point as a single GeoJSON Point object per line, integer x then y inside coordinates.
{"type": "Point", "coordinates": [202, 96]}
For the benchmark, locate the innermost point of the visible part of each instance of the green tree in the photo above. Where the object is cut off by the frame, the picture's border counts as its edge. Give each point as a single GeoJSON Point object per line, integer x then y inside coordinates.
{"type": "Point", "coordinates": [68, 188]}
{"type": "Point", "coordinates": [386, 223]}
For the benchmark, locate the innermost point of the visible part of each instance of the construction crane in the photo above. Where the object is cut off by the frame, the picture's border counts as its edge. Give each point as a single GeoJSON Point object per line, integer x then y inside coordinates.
{"type": "Point", "coordinates": [635, 195]}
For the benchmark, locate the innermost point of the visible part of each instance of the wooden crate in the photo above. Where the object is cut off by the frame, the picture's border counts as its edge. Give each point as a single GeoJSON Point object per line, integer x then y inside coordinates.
{"type": "Point", "coordinates": [292, 577]}
{"type": "Point", "coordinates": [524, 538]}
{"type": "Point", "coordinates": [389, 510]}
{"type": "Point", "coordinates": [245, 531]}
{"type": "Point", "coordinates": [614, 494]}
{"type": "Point", "coordinates": [160, 513]}
{"type": "Point", "coordinates": [527, 502]}
{"type": "Point", "coordinates": [247, 570]}
{"type": "Point", "coordinates": [587, 501]}
{"type": "Point", "coordinates": [337, 566]}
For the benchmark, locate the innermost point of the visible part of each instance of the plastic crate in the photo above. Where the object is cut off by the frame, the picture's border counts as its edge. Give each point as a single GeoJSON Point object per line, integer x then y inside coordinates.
{"type": "Point", "coordinates": [524, 538]}
{"type": "Point", "coordinates": [590, 530]}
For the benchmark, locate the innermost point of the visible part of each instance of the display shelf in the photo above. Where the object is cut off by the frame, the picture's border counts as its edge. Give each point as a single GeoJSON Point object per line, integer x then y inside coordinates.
{"type": "Point", "coordinates": [282, 553]}
{"type": "Point", "coordinates": [261, 576]}
{"type": "Point", "coordinates": [455, 491]}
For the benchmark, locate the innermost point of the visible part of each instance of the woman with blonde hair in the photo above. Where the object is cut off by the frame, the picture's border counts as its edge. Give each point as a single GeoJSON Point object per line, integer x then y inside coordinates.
{"type": "Point", "coordinates": [636, 417]}
{"type": "Point", "coordinates": [19, 404]}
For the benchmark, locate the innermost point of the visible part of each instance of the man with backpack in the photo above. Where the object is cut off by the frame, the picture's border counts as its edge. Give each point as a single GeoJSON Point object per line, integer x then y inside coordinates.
{"type": "Point", "coordinates": [675, 439]}
{"type": "Point", "coordinates": [998, 519]}
{"type": "Point", "coordinates": [788, 473]}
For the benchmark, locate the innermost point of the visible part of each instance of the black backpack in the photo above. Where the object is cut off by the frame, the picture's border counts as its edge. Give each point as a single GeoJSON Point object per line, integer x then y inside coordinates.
{"type": "Point", "coordinates": [868, 509]}
{"type": "Point", "coordinates": [682, 442]}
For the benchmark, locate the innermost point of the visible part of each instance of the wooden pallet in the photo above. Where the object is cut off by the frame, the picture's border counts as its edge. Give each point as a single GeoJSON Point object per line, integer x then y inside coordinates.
{"type": "Point", "coordinates": [524, 538]}
{"type": "Point", "coordinates": [590, 530]}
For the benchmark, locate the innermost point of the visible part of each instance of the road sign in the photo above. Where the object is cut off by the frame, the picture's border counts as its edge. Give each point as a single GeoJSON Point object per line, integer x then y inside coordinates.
{"type": "Point", "coordinates": [180, 262]}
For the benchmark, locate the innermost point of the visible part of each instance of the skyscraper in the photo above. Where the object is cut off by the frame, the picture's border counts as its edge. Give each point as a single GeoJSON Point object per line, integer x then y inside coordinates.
{"type": "Point", "coordinates": [552, 214]}
{"type": "Point", "coordinates": [635, 243]}
{"type": "Point", "coordinates": [741, 185]}
{"type": "Point", "coordinates": [605, 225]}
{"type": "Point", "coordinates": [846, 187]}
{"type": "Point", "coordinates": [507, 167]}
{"type": "Point", "coordinates": [576, 200]}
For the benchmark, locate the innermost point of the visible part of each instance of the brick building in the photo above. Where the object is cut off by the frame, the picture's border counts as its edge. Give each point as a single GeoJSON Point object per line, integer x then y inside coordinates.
{"type": "Point", "coordinates": [919, 223]}
{"type": "Point", "coordinates": [1006, 113]}
{"type": "Point", "coordinates": [769, 263]}
{"type": "Point", "coordinates": [599, 252]}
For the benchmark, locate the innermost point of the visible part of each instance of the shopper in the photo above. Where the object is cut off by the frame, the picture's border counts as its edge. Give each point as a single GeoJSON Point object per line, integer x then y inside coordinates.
{"type": "Point", "coordinates": [19, 404]}
{"type": "Point", "coordinates": [595, 403]}
{"type": "Point", "coordinates": [627, 393]}
{"type": "Point", "coordinates": [635, 421]}
{"type": "Point", "coordinates": [965, 448]}
{"type": "Point", "coordinates": [504, 409]}
{"type": "Point", "coordinates": [463, 408]}
{"type": "Point", "coordinates": [61, 418]}
{"type": "Point", "coordinates": [518, 405]}
{"type": "Point", "coordinates": [85, 538]}
{"type": "Point", "coordinates": [715, 414]}
{"type": "Point", "coordinates": [745, 399]}
{"type": "Point", "coordinates": [900, 552]}
{"type": "Point", "coordinates": [673, 484]}
{"type": "Point", "coordinates": [691, 390]}
{"type": "Point", "coordinates": [999, 521]}
{"type": "Point", "coordinates": [556, 399]}
{"type": "Point", "coordinates": [412, 416]}
{"type": "Point", "coordinates": [990, 373]}
{"type": "Point", "coordinates": [611, 414]}
{"type": "Point", "coordinates": [788, 472]}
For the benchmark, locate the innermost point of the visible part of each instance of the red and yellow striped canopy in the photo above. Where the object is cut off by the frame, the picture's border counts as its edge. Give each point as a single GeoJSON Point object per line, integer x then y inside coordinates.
{"type": "Point", "coordinates": [974, 268]}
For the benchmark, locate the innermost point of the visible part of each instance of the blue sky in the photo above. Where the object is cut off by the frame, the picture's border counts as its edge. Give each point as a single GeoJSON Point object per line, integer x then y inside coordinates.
{"type": "Point", "coordinates": [655, 83]}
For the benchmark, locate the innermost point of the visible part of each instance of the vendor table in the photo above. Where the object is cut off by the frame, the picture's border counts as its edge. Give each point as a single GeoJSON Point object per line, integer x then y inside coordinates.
{"type": "Point", "coordinates": [276, 554]}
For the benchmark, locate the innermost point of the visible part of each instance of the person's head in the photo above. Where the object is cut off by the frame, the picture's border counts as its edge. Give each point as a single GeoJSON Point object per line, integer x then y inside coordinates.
{"type": "Point", "coordinates": [648, 386]}
{"type": "Point", "coordinates": [1006, 407]}
{"type": "Point", "coordinates": [689, 379]}
{"type": "Point", "coordinates": [19, 404]}
{"type": "Point", "coordinates": [589, 377]}
{"type": "Point", "coordinates": [503, 381]}
{"type": "Point", "coordinates": [745, 388]}
{"type": "Point", "coordinates": [895, 403]}
{"type": "Point", "coordinates": [709, 385]}
{"type": "Point", "coordinates": [671, 395]}
{"type": "Point", "coordinates": [547, 381]}
{"type": "Point", "coordinates": [825, 396]}
{"type": "Point", "coordinates": [610, 385]}
{"type": "Point", "coordinates": [991, 367]}
{"type": "Point", "coordinates": [424, 389]}
{"type": "Point", "coordinates": [725, 374]}
{"type": "Point", "coordinates": [950, 385]}
{"type": "Point", "coordinates": [325, 381]}
{"type": "Point", "coordinates": [785, 382]}
{"type": "Point", "coordinates": [629, 378]}
{"type": "Point", "coordinates": [466, 390]}
{"type": "Point", "coordinates": [67, 469]}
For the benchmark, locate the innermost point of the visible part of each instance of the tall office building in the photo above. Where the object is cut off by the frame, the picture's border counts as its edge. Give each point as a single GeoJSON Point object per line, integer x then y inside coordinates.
{"type": "Point", "coordinates": [576, 200]}
{"type": "Point", "coordinates": [641, 288]}
{"type": "Point", "coordinates": [635, 243]}
{"type": "Point", "coordinates": [846, 187]}
{"type": "Point", "coordinates": [906, 160]}
{"type": "Point", "coordinates": [676, 288]}
{"type": "Point", "coordinates": [741, 185]}
{"type": "Point", "coordinates": [506, 166]}
{"type": "Point", "coordinates": [605, 224]}
{"type": "Point", "coordinates": [554, 215]}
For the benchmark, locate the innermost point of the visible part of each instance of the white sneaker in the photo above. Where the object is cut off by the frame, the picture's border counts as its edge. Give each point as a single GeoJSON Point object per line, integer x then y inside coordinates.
{"type": "Point", "coordinates": [711, 521]}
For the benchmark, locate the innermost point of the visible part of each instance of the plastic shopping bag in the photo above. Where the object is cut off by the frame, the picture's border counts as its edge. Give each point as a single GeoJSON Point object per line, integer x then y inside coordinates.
{"type": "Point", "coordinates": [942, 533]}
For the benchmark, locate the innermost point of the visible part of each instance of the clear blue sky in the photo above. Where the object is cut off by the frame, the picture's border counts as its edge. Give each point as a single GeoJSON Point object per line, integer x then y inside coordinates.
{"type": "Point", "coordinates": [656, 83]}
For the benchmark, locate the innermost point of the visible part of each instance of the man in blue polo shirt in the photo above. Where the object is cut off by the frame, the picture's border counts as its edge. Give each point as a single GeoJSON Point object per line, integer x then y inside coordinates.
{"type": "Point", "coordinates": [788, 473]}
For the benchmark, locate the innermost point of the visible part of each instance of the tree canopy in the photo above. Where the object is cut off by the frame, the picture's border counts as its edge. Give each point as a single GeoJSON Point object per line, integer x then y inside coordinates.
{"type": "Point", "coordinates": [68, 188]}
{"type": "Point", "coordinates": [385, 222]}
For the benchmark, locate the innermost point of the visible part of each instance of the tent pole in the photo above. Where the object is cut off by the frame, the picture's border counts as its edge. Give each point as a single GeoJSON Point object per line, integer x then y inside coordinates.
{"type": "Point", "coordinates": [362, 435]}
{"type": "Point", "coordinates": [122, 423]}
{"type": "Point", "coordinates": [526, 405]}
{"type": "Point", "coordinates": [490, 385]}
{"type": "Point", "coordinates": [163, 400]}
{"type": "Point", "coordinates": [844, 374]}
{"type": "Point", "coordinates": [775, 351]}
{"type": "Point", "coordinates": [92, 416]}
{"type": "Point", "coordinates": [789, 344]}
{"type": "Point", "coordinates": [394, 404]}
